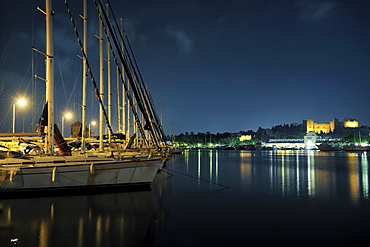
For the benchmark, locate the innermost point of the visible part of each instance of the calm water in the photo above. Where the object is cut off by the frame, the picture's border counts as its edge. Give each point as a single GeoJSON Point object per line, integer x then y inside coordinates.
{"type": "Point", "coordinates": [211, 198]}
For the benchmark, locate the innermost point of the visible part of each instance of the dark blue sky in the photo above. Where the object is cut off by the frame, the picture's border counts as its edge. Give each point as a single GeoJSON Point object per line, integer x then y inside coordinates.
{"type": "Point", "coordinates": [218, 66]}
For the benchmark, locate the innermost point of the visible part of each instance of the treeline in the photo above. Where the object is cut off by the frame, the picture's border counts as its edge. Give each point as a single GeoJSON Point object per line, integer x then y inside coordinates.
{"type": "Point", "coordinates": [208, 139]}
{"type": "Point", "coordinates": [285, 131]}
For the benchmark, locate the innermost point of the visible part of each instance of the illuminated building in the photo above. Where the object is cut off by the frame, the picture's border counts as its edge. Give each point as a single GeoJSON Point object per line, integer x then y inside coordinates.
{"type": "Point", "coordinates": [310, 140]}
{"type": "Point", "coordinates": [245, 138]}
{"type": "Point", "coordinates": [331, 126]}
{"type": "Point", "coordinates": [319, 127]}
{"type": "Point", "coordinates": [246, 135]}
{"type": "Point", "coordinates": [350, 123]}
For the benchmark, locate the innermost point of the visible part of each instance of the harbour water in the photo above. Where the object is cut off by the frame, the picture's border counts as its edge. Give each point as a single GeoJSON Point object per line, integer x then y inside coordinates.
{"type": "Point", "coordinates": [211, 198]}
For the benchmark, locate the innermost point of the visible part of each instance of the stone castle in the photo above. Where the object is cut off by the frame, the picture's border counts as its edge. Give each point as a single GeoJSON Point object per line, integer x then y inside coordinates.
{"type": "Point", "coordinates": [331, 126]}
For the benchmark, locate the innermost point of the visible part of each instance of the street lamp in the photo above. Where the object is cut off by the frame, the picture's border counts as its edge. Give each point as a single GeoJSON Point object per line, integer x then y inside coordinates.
{"type": "Point", "coordinates": [20, 102]}
{"type": "Point", "coordinates": [68, 116]}
{"type": "Point", "coordinates": [93, 123]}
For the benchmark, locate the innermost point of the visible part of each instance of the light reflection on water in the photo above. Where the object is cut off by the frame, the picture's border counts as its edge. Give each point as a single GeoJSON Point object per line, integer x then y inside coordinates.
{"type": "Point", "coordinates": [365, 175]}
{"type": "Point", "coordinates": [123, 219]}
{"type": "Point", "coordinates": [299, 198]}
{"type": "Point", "coordinates": [304, 173]}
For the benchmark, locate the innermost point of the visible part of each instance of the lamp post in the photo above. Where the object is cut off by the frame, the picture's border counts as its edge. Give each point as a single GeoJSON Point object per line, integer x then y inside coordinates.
{"type": "Point", "coordinates": [68, 116]}
{"type": "Point", "coordinates": [93, 123]}
{"type": "Point", "coordinates": [20, 102]}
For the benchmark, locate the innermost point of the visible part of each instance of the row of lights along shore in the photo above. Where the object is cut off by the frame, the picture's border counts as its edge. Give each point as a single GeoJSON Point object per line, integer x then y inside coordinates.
{"type": "Point", "coordinates": [66, 115]}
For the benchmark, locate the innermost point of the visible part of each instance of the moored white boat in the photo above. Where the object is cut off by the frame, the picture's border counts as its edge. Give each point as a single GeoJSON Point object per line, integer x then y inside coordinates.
{"type": "Point", "coordinates": [49, 170]}
{"type": "Point", "coordinates": [62, 173]}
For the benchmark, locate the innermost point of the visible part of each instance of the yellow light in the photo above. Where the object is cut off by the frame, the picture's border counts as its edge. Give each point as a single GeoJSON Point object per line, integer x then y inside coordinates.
{"type": "Point", "coordinates": [22, 102]}
{"type": "Point", "coordinates": [93, 123]}
{"type": "Point", "coordinates": [68, 115]}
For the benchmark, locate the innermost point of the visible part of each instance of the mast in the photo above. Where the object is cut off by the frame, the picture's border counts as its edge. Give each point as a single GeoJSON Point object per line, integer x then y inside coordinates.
{"type": "Point", "coordinates": [84, 74]}
{"type": "Point", "coordinates": [128, 119]}
{"type": "Point", "coordinates": [101, 117]}
{"type": "Point", "coordinates": [123, 76]}
{"type": "Point", "coordinates": [140, 99]}
{"type": "Point", "coordinates": [33, 80]}
{"type": "Point", "coordinates": [109, 80]}
{"type": "Point", "coordinates": [49, 80]}
{"type": "Point", "coordinates": [161, 114]}
{"type": "Point", "coordinates": [118, 88]}
{"type": "Point", "coordinates": [136, 121]}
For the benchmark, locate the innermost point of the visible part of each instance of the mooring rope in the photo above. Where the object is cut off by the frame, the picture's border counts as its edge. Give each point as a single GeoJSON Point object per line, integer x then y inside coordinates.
{"type": "Point", "coordinates": [201, 179]}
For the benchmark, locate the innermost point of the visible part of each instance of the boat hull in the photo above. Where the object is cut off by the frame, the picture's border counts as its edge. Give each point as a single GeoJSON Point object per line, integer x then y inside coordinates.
{"type": "Point", "coordinates": [328, 147]}
{"type": "Point", "coordinates": [88, 174]}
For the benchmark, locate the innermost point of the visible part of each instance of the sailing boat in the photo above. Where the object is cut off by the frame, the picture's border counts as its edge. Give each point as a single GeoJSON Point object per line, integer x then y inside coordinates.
{"type": "Point", "coordinates": [65, 172]}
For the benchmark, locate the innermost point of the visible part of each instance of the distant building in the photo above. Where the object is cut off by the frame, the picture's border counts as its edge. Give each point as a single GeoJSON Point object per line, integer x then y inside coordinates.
{"type": "Point", "coordinates": [310, 140]}
{"type": "Point", "coordinates": [319, 127]}
{"type": "Point", "coordinates": [350, 123]}
{"type": "Point", "coordinates": [245, 138]}
{"type": "Point", "coordinates": [329, 127]}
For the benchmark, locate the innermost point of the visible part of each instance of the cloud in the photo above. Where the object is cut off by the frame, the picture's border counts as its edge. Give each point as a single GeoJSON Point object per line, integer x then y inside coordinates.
{"type": "Point", "coordinates": [315, 10]}
{"type": "Point", "coordinates": [184, 42]}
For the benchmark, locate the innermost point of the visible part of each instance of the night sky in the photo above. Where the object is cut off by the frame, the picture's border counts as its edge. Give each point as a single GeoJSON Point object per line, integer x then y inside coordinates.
{"type": "Point", "coordinates": [217, 66]}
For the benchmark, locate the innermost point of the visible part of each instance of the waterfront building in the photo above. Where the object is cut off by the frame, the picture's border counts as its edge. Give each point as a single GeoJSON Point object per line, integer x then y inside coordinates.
{"type": "Point", "coordinates": [310, 140]}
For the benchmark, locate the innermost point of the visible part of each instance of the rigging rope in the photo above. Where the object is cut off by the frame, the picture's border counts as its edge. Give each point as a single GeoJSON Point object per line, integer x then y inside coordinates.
{"type": "Point", "coordinates": [97, 92]}
{"type": "Point", "coordinates": [143, 100]}
{"type": "Point", "coordinates": [128, 95]}
{"type": "Point", "coordinates": [147, 99]}
{"type": "Point", "coordinates": [131, 74]}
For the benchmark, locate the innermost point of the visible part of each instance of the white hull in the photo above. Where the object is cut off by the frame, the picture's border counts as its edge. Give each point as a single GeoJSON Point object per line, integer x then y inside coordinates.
{"type": "Point", "coordinates": [76, 173]}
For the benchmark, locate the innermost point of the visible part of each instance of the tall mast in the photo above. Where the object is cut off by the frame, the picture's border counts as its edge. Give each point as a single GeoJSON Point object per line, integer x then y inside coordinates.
{"type": "Point", "coordinates": [101, 89]}
{"type": "Point", "coordinates": [49, 79]}
{"type": "Point", "coordinates": [33, 79]}
{"type": "Point", "coordinates": [123, 76]}
{"type": "Point", "coordinates": [84, 74]}
{"type": "Point", "coordinates": [109, 78]}
{"type": "Point", "coordinates": [118, 89]}
{"type": "Point", "coordinates": [136, 121]}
